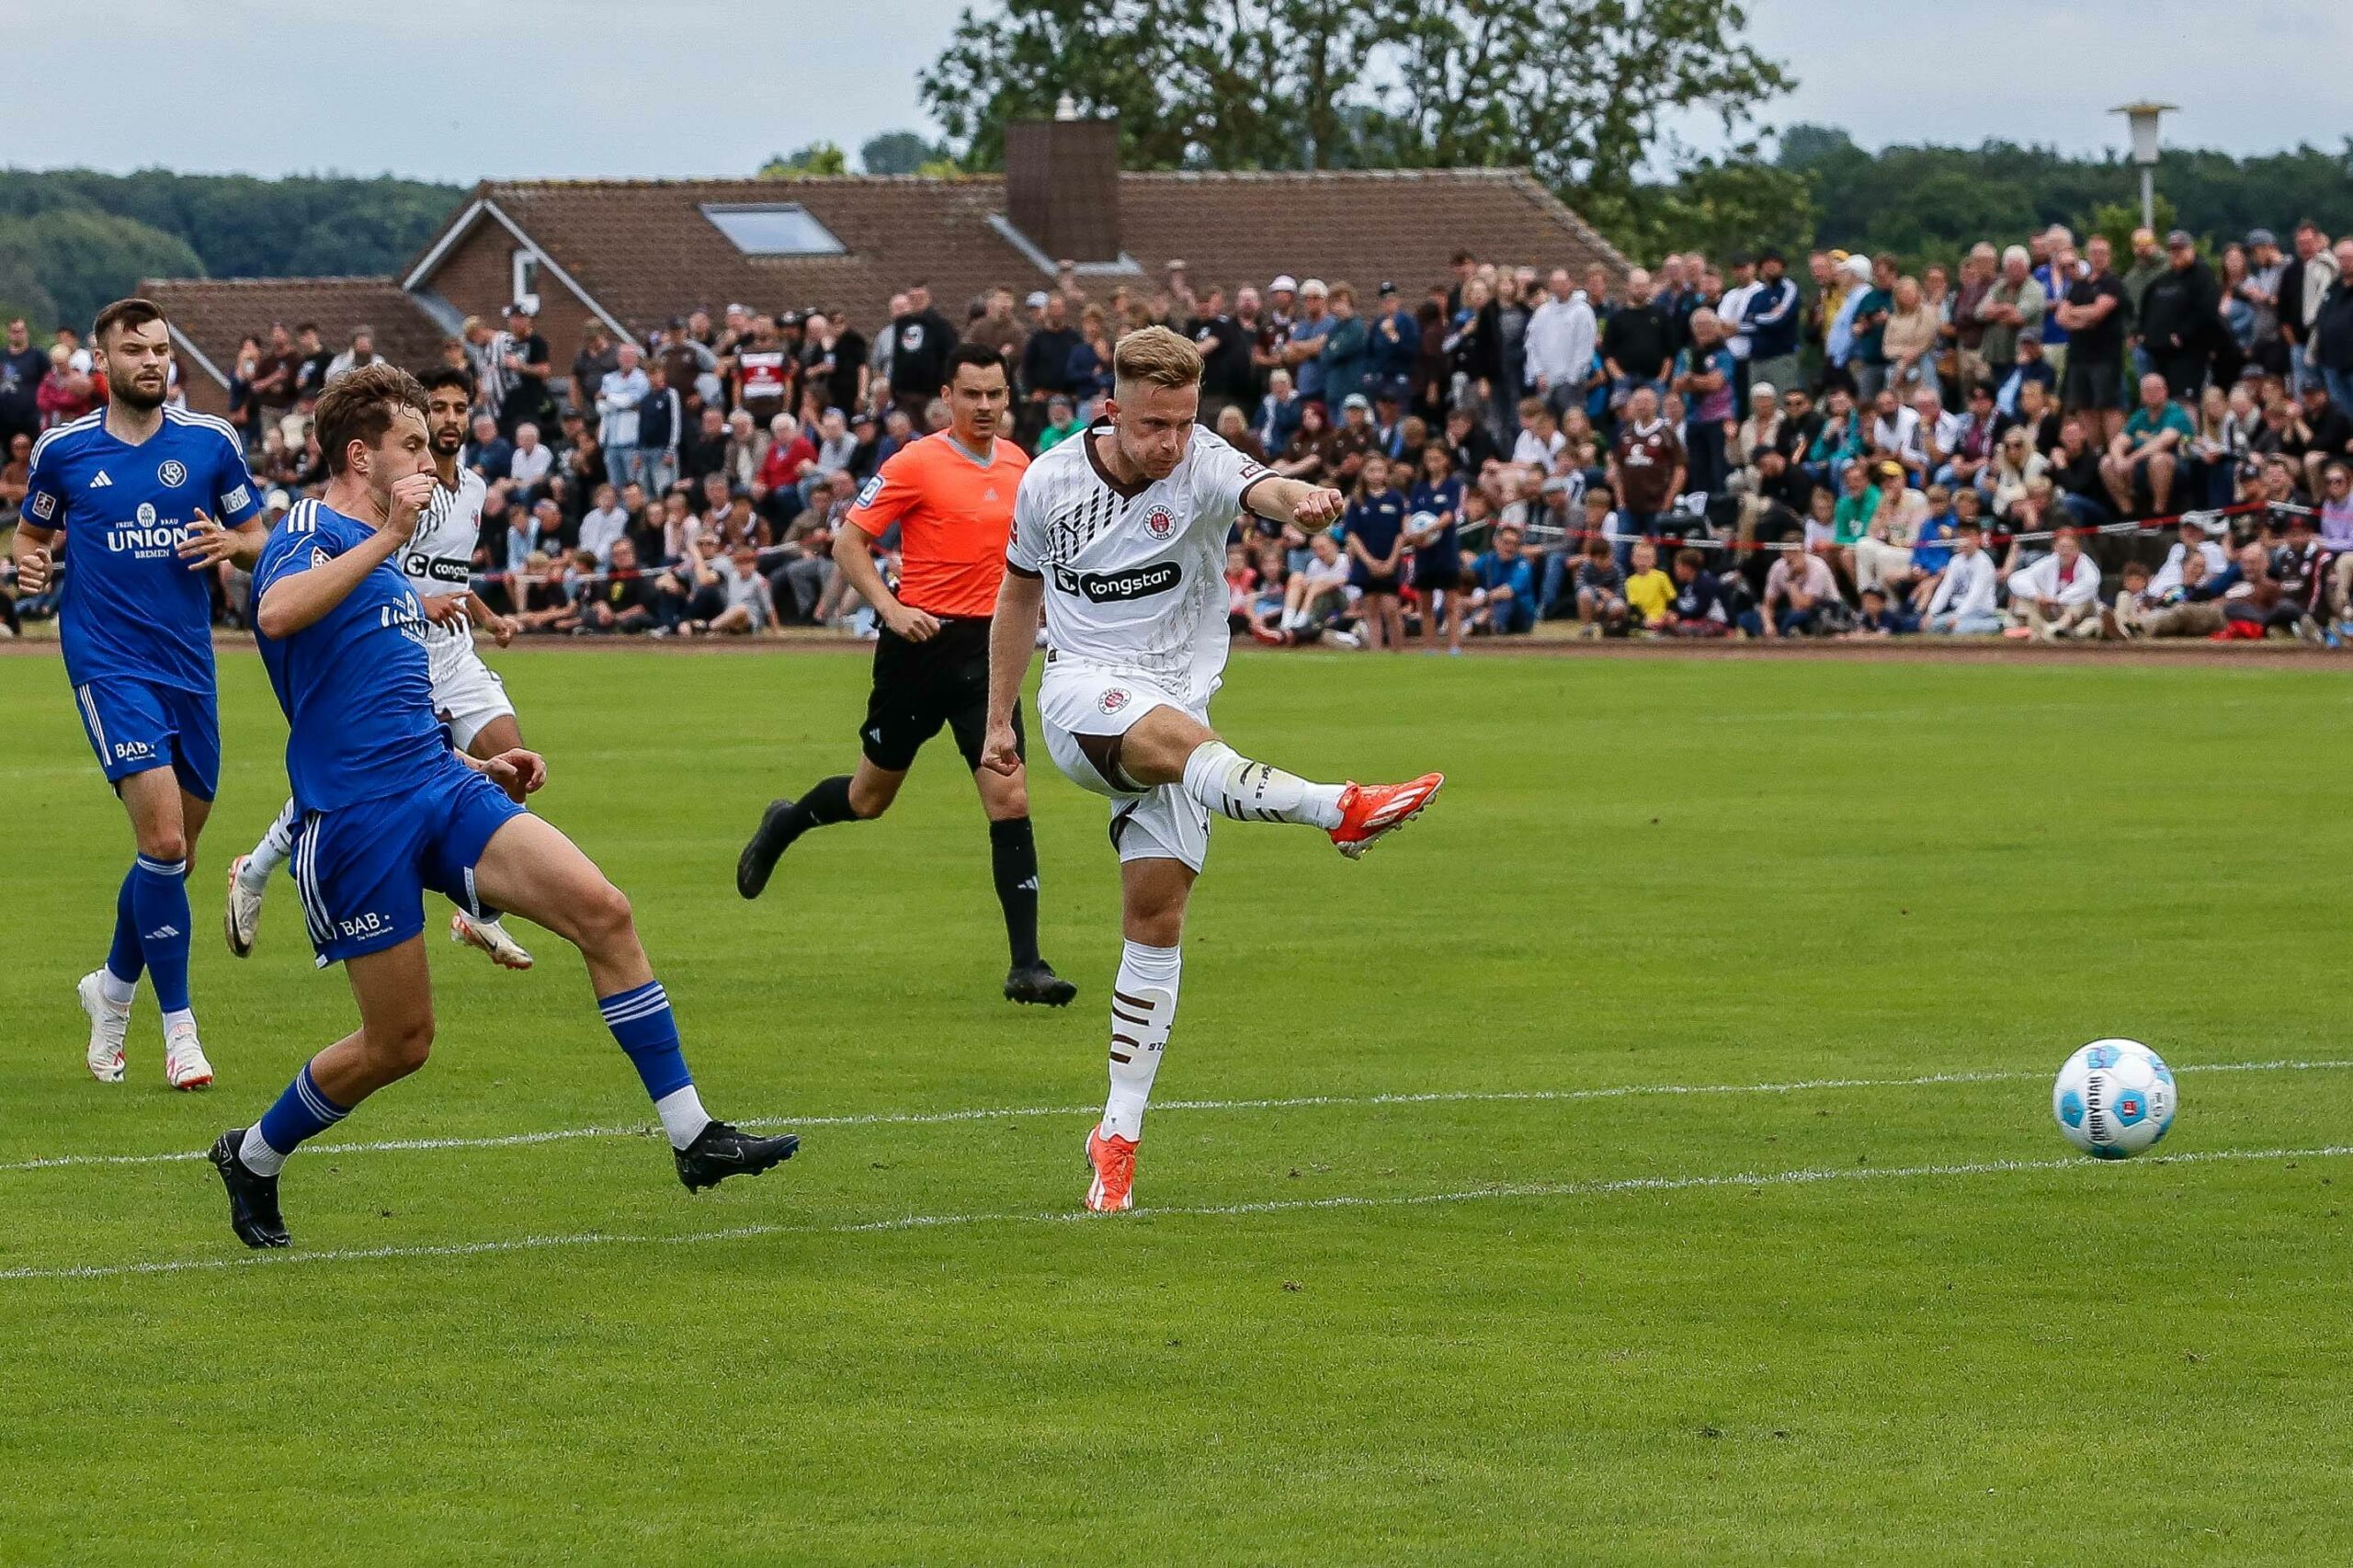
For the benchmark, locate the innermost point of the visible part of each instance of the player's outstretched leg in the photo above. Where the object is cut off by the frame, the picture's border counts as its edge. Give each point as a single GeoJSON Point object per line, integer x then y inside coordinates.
{"type": "Point", "coordinates": [249, 880]}
{"type": "Point", "coordinates": [1143, 1010]}
{"type": "Point", "coordinates": [1167, 746]}
{"type": "Point", "coordinates": [534, 870]}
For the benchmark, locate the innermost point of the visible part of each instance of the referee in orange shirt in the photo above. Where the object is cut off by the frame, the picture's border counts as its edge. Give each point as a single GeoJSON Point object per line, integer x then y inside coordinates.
{"type": "Point", "coordinates": [950, 496]}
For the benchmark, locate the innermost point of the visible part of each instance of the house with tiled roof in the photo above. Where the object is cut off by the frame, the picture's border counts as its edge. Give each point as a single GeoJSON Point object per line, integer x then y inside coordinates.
{"type": "Point", "coordinates": [634, 253]}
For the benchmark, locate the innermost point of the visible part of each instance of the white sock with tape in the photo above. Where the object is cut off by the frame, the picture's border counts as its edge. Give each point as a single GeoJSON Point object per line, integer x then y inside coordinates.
{"type": "Point", "coordinates": [1143, 1010]}
{"type": "Point", "coordinates": [1226, 782]}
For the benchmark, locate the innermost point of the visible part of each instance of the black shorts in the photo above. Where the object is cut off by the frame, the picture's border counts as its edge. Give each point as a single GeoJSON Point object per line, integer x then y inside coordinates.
{"type": "Point", "coordinates": [918, 687]}
{"type": "Point", "coordinates": [2093, 383]}
{"type": "Point", "coordinates": [1373, 584]}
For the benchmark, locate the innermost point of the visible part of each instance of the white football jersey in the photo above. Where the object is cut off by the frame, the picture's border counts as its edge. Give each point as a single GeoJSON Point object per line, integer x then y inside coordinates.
{"type": "Point", "coordinates": [1135, 579]}
{"type": "Point", "coordinates": [438, 558]}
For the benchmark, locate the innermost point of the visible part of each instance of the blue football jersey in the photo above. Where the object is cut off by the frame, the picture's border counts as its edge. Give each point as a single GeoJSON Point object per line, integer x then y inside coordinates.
{"type": "Point", "coordinates": [356, 684]}
{"type": "Point", "coordinates": [131, 607]}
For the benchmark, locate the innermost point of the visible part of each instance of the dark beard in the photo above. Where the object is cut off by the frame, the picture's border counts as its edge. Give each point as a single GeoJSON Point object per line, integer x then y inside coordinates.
{"type": "Point", "coordinates": [138, 402]}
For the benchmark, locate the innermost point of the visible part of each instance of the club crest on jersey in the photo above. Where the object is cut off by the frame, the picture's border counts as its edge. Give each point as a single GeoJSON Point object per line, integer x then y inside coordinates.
{"type": "Point", "coordinates": [171, 474]}
{"type": "Point", "coordinates": [1113, 700]}
{"type": "Point", "coordinates": [1159, 522]}
{"type": "Point", "coordinates": [44, 505]}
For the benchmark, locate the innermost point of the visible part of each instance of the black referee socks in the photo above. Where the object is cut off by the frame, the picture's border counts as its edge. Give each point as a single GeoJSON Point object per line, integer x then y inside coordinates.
{"type": "Point", "coordinates": [827, 801]}
{"type": "Point", "coordinates": [1013, 857]}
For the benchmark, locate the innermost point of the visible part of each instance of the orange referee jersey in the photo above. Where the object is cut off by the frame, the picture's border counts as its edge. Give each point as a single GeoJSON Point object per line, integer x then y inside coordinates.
{"type": "Point", "coordinates": [953, 516]}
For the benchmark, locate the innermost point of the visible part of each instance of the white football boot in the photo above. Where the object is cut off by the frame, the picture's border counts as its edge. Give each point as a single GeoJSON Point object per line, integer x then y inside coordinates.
{"type": "Point", "coordinates": [109, 1025]}
{"type": "Point", "coordinates": [184, 1063]}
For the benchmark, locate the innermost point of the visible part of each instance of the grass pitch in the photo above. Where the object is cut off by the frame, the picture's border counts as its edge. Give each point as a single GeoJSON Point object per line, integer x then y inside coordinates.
{"type": "Point", "coordinates": [1419, 1284]}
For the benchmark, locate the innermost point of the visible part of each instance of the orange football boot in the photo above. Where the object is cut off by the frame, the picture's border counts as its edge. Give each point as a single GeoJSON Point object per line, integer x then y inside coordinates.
{"type": "Point", "coordinates": [1370, 811]}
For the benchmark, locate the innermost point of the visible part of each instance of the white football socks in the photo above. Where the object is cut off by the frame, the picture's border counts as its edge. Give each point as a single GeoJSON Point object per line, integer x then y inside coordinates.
{"type": "Point", "coordinates": [1226, 782]}
{"type": "Point", "coordinates": [119, 992]}
{"type": "Point", "coordinates": [1143, 1010]}
{"type": "Point", "coordinates": [256, 1155]}
{"type": "Point", "coordinates": [277, 848]}
{"type": "Point", "coordinates": [683, 1117]}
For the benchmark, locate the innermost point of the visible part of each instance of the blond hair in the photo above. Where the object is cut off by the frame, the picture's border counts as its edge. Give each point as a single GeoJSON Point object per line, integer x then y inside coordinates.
{"type": "Point", "coordinates": [1158, 356]}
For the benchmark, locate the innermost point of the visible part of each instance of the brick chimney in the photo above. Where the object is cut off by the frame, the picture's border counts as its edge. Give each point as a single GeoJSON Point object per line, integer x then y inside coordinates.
{"type": "Point", "coordinates": [1062, 185]}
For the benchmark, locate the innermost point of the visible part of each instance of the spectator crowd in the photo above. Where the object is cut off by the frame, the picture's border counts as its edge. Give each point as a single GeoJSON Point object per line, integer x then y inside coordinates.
{"type": "Point", "coordinates": [2028, 441]}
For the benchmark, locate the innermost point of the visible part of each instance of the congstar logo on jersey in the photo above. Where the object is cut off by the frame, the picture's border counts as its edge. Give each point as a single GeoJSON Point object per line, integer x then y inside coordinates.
{"type": "Point", "coordinates": [1114, 587]}
{"type": "Point", "coordinates": [440, 568]}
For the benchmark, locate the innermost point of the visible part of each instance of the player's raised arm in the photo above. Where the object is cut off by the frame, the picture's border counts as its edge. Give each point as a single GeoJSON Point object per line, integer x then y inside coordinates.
{"type": "Point", "coordinates": [298, 595]}
{"type": "Point", "coordinates": [1310, 506]}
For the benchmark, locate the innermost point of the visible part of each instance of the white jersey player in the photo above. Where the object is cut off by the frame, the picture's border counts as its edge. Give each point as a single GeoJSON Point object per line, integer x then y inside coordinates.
{"type": "Point", "coordinates": [1120, 535]}
{"type": "Point", "coordinates": [469, 696]}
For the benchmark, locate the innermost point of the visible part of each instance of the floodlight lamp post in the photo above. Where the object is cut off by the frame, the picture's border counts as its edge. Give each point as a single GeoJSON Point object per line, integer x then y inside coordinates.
{"type": "Point", "coordinates": [2143, 117]}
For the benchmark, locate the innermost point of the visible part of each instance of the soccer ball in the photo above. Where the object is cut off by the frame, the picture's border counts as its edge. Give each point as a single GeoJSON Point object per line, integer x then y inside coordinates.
{"type": "Point", "coordinates": [2114, 1098]}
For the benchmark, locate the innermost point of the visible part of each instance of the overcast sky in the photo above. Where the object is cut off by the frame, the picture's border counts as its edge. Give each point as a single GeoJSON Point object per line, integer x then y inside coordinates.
{"type": "Point", "coordinates": [458, 90]}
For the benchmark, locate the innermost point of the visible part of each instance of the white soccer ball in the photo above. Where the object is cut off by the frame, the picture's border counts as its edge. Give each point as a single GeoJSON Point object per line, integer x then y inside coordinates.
{"type": "Point", "coordinates": [2114, 1098]}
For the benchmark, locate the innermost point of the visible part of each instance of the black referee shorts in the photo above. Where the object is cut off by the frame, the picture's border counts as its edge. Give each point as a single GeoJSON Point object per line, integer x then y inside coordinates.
{"type": "Point", "coordinates": [918, 687]}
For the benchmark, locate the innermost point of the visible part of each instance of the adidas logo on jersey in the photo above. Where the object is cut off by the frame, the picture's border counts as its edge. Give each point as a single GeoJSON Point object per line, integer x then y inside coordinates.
{"type": "Point", "coordinates": [101, 480]}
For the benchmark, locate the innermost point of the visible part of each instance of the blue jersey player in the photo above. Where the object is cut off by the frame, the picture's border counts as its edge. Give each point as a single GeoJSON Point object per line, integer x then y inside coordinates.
{"type": "Point", "coordinates": [388, 810]}
{"type": "Point", "coordinates": [134, 487]}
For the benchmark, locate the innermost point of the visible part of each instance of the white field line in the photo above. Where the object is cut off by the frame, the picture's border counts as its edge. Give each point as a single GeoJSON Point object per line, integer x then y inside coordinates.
{"type": "Point", "coordinates": [1590, 1188]}
{"type": "Point", "coordinates": [1299, 1102]}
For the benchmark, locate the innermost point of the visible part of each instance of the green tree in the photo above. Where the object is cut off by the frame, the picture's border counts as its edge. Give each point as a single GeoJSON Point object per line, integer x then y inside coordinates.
{"type": "Point", "coordinates": [898, 152]}
{"type": "Point", "coordinates": [1721, 207]}
{"type": "Point", "coordinates": [21, 294]}
{"type": "Point", "coordinates": [83, 258]}
{"type": "Point", "coordinates": [1577, 89]}
{"type": "Point", "coordinates": [818, 158]}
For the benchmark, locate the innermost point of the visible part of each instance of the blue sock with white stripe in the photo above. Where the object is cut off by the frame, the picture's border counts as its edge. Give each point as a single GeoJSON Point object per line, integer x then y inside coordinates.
{"type": "Point", "coordinates": [302, 1112]}
{"type": "Point", "coordinates": [159, 902]}
{"type": "Point", "coordinates": [125, 961]}
{"type": "Point", "coordinates": [645, 1029]}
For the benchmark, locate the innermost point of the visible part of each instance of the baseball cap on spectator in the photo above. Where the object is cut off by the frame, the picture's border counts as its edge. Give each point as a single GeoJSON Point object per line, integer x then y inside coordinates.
{"type": "Point", "coordinates": [1388, 288]}
{"type": "Point", "coordinates": [1284, 283]}
{"type": "Point", "coordinates": [1313, 289]}
{"type": "Point", "coordinates": [738, 309]}
{"type": "Point", "coordinates": [2179, 240]}
{"type": "Point", "coordinates": [2032, 334]}
{"type": "Point", "coordinates": [1036, 299]}
{"type": "Point", "coordinates": [1889, 469]}
{"type": "Point", "coordinates": [278, 501]}
{"type": "Point", "coordinates": [2261, 237]}
{"type": "Point", "coordinates": [1355, 400]}
{"type": "Point", "coordinates": [1857, 267]}
{"type": "Point", "coordinates": [677, 324]}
